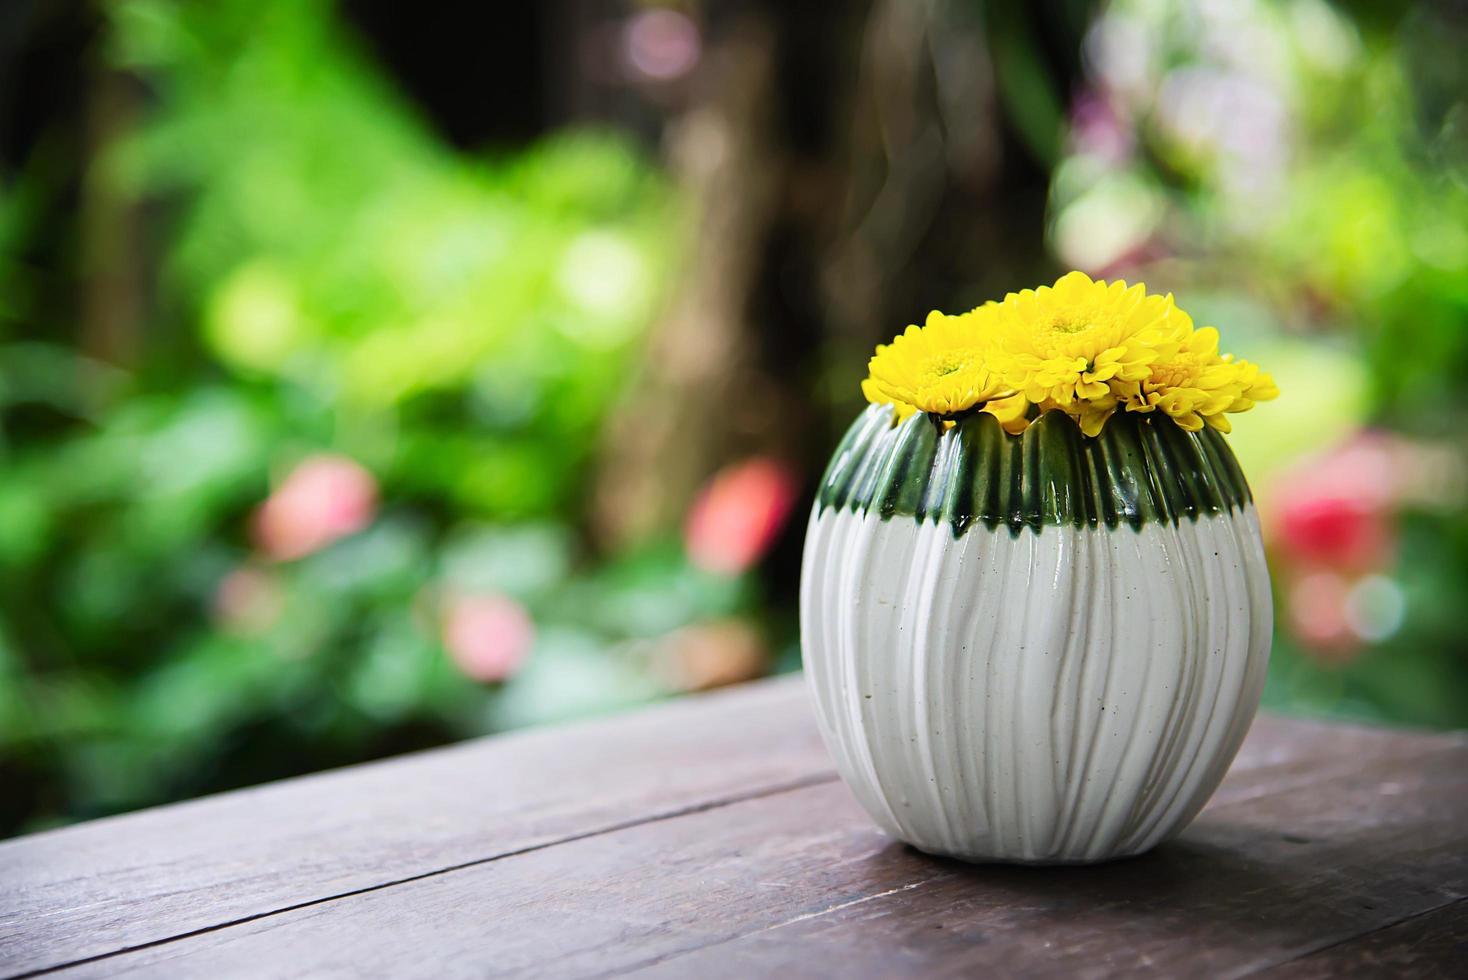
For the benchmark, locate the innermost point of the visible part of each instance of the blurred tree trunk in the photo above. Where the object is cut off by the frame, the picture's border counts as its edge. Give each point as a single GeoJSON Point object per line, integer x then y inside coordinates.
{"type": "Point", "coordinates": [850, 169]}
{"type": "Point", "coordinates": [704, 394]}
{"type": "Point", "coordinates": [110, 223]}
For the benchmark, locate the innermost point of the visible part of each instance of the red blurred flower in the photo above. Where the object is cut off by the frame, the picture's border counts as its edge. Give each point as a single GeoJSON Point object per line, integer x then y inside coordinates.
{"type": "Point", "coordinates": [1335, 508]}
{"type": "Point", "coordinates": [323, 499]}
{"type": "Point", "coordinates": [738, 514]}
{"type": "Point", "coordinates": [1335, 531]}
{"type": "Point", "coordinates": [1332, 521]}
{"type": "Point", "coordinates": [488, 636]}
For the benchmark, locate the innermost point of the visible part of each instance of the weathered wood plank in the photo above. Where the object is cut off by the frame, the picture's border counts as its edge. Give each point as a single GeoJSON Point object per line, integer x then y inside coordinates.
{"type": "Point", "coordinates": [125, 881]}
{"type": "Point", "coordinates": [1252, 884]}
{"type": "Point", "coordinates": [1430, 945]}
{"type": "Point", "coordinates": [1297, 853]}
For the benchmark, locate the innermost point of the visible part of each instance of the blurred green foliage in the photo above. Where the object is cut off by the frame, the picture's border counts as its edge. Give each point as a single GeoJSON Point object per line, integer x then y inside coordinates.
{"type": "Point", "coordinates": [1298, 173]}
{"type": "Point", "coordinates": [338, 293]}
{"type": "Point", "coordinates": [334, 281]}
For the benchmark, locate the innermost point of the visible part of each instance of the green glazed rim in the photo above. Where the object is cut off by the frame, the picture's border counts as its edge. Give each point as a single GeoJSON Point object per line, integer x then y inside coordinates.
{"type": "Point", "coordinates": [1142, 469]}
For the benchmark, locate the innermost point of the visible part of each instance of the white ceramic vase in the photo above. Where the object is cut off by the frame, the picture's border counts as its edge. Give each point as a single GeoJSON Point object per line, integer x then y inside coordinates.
{"type": "Point", "coordinates": [1042, 648]}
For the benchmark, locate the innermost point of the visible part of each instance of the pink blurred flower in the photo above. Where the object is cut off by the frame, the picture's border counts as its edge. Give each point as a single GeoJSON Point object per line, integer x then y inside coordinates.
{"type": "Point", "coordinates": [1098, 130]}
{"type": "Point", "coordinates": [248, 601]}
{"type": "Point", "coordinates": [1336, 615]}
{"type": "Point", "coordinates": [324, 498]}
{"type": "Point", "coordinates": [662, 44]}
{"type": "Point", "coordinates": [488, 636]}
{"type": "Point", "coordinates": [738, 515]}
{"type": "Point", "coordinates": [1318, 605]}
{"type": "Point", "coordinates": [1371, 465]}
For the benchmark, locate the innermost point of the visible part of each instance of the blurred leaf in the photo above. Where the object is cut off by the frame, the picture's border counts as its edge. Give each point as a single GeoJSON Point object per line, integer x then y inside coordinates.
{"type": "Point", "coordinates": [569, 675]}
{"type": "Point", "coordinates": [522, 561]}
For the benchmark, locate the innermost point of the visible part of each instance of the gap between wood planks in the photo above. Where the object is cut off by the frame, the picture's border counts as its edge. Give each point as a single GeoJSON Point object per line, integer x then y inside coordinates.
{"type": "Point", "coordinates": [121, 882]}
{"type": "Point", "coordinates": [612, 828]}
{"type": "Point", "coordinates": [1302, 961]}
{"type": "Point", "coordinates": [939, 876]}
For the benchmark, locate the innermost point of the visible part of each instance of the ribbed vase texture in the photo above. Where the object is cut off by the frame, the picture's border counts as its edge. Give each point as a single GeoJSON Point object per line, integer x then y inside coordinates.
{"type": "Point", "coordinates": [1016, 679]}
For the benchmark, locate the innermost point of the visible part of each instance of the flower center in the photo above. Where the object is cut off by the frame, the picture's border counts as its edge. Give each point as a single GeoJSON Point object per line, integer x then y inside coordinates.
{"type": "Point", "coordinates": [948, 363]}
{"type": "Point", "coordinates": [1066, 324]}
{"type": "Point", "coordinates": [1078, 331]}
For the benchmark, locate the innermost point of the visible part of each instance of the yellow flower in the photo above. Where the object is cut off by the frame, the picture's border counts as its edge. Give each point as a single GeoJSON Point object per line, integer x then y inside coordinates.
{"type": "Point", "coordinates": [1087, 348]}
{"type": "Point", "coordinates": [944, 367]}
{"type": "Point", "coordinates": [1196, 385]}
{"type": "Point", "coordinates": [1072, 345]}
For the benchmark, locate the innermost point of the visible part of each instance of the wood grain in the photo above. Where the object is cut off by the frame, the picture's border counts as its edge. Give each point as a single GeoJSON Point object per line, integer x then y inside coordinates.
{"type": "Point", "coordinates": [1251, 885]}
{"type": "Point", "coordinates": [122, 882]}
{"type": "Point", "coordinates": [1320, 834]}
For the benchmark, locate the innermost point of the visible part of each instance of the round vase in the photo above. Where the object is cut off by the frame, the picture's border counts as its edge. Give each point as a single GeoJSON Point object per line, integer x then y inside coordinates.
{"type": "Point", "coordinates": [1042, 648]}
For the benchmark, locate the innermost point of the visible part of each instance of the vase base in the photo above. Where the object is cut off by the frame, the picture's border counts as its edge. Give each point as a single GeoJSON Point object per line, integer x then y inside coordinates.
{"type": "Point", "coordinates": [1058, 861]}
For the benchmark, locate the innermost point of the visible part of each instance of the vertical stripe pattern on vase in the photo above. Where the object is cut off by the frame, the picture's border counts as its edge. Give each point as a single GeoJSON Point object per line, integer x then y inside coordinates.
{"type": "Point", "coordinates": [1040, 648]}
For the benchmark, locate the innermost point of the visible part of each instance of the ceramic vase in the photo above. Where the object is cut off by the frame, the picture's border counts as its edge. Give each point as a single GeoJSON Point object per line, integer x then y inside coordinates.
{"type": "Point", "coordinates": [1042, 648]}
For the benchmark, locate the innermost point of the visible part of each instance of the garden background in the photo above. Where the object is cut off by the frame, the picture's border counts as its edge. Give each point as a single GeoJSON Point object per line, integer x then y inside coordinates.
{"type": "Point", "coordinates": [376, 375]}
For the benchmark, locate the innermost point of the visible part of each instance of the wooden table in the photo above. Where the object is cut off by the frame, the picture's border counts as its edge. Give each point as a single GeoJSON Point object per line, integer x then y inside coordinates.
{"type": "Point", "coordinates": [710, 838]}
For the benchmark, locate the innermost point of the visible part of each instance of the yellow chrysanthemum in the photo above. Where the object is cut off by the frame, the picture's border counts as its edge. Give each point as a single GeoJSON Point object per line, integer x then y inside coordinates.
{"type": "Point", "coordinates": [1081, 346]}
{"type": "Point", "coordinates": [1072, 345]}
{"type": "Point", "coordinates": [1197, 385]}
{"type": "Point", "coordinates": [945, 366]}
